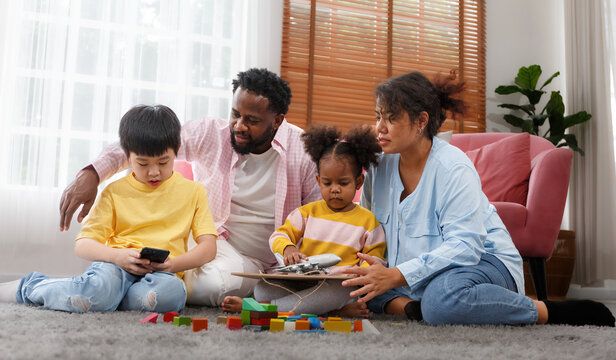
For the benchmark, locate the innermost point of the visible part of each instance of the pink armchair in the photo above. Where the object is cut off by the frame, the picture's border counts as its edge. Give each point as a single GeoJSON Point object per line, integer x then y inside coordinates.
{"type": "Point", "coordinates": [534, 226]}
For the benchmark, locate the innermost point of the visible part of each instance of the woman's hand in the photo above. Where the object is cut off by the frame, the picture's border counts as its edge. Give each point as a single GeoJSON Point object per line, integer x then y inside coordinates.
{"type": "Point", "coordinates": [129, 260]}
{"type": "Point", "coordinates": [292, 255]}
{"type": "Point", "coordinates": [374, 280]}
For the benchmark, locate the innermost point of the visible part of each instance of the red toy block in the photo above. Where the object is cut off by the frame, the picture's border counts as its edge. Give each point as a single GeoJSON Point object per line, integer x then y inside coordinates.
{"type": "Point", "coordinates": [168, 317]}
{"type": "Point", "coordinates": [150, 318]}
{"type": "Point", "coordinates": [234, 322]}
{"type": "Point", "coordinates": [199, 324]}
{"type": "Point", "coordinates": [358, 326]}
{"type": "Point", "coordinates": [261, 322]}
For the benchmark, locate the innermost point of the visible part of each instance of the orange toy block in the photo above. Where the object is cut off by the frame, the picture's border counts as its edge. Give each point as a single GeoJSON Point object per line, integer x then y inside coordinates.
{"type": "Point", "coordinates": [168, 317]}
{"type": "Point", "coordinates": [302, 325]}
{"type": "Point", "coordinates": [234, 322]}
{"type": "Point", "coordinates": [287, 314]}
{"type": "Point", "coordinates": [358, 326]}
{"type": "Point", "coordinates": [150, 318]}
{"type": "Point", "coordinates": [332, 318]}
{"type": "Point", "coordinates": [338, 326]}
{"type": "Point", "coordinates": [199, 324]}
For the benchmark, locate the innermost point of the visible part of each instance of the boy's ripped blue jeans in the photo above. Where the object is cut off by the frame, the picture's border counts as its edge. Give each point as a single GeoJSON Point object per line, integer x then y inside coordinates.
{"type": "Point", "coordinates": [104, 287]}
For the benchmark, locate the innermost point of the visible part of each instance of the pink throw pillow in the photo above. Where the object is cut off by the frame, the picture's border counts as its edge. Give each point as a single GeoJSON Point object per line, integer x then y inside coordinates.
{"type": "Point", "coordinates": [504, 168]}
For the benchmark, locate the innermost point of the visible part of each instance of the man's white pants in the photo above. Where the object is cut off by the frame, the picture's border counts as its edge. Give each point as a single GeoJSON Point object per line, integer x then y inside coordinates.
{"type": "Point", "coordinates": [209, 284]}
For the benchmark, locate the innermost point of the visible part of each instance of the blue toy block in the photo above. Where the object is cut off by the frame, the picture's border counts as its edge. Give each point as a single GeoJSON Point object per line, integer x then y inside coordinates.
{"type": "Point", "coordinates": [315, 323]}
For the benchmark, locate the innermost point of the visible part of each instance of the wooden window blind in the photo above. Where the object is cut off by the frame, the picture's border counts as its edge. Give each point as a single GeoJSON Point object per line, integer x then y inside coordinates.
{"type": "Point", "coordinates": [334, 52]}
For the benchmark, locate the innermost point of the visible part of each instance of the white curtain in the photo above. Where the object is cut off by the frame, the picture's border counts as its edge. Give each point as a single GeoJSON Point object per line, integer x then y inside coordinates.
{"type": "Point", "coordinates": [69, 69]}
{"type": "Point", "coordinates": [590, 49]}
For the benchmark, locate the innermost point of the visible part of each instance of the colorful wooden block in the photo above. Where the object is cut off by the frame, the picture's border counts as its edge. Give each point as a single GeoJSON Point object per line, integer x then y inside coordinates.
{"type": "Point", "coordinates": [181, 320]}
{"type": "Point", "coordinates": [294, 317]}
{"type": "Point", "coordinates": [234, 322]}
{"type": "Point", "coordinates": [302, 325]}
{"type": "Point", "coordinates": [168, 317]}
{"type": "Point", "coordinates": [367, 327]}
{"type": "Point", "coordinates": [333, 318]}
{"type": "Point", "coordinates": [338, 326]}
{"type": "Point", "coordinates": [251, 305]}
{"type": "Point", "coordinates": [221, 320]}
{"type": "Point", "coordinates": [306, 316]}
{"type": "Point", "coordinates": [357, 326]}
{"type": "Point", "coordinates": [276, 325]}
{"type": "Point", "coordinates": [245, 315]}
{"type": "Point", "coordinates": [199, 324]}
{"type": "Point", "coordinates": [256, 328]}
{"type": "Point", "coordinates": [263, 314]}
{"type": "Point", "coordinates": [150, 318]}
{"type": "Point", "coordinates": [287, 314]}
{"type": "Point", "coordinates": [315, 323]}
{"type": "Point", "coordinates": [289, 326]}
{"type": "Point", "coordinates": [270, 307]}
{"type": "Point", "coordinates": [264, 322]}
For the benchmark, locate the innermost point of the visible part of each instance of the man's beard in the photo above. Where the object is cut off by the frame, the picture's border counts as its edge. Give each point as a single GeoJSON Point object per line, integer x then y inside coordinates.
{"type": "Point", "coordinates": [267, 137]}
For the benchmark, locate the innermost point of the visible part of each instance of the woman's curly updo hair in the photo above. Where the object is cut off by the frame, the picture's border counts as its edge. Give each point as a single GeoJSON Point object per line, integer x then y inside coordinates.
{"type": "Point", "coordinates": [414, 93]}
{"type": "Point", "coordinates": [359, 145]}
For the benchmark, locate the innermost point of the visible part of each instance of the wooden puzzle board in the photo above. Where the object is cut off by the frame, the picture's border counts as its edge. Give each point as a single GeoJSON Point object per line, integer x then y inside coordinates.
{"type": "Point", "coordinates": [293, 276]}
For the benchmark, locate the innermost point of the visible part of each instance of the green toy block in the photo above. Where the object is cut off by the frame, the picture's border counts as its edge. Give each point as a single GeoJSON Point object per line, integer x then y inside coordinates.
{"type": "Point", "coordinates": [307, 316]}
{"type": "Point", "coordinates": [181, 320]}
{"type": "Point", "coordinates": [270, 307]}
{"type": "Point", "coordinates": [251, 304]}
{"type": "Point", "coordinates": [245, 317]}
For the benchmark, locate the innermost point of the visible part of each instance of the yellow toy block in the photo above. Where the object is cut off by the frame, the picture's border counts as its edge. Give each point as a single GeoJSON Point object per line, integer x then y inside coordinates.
{"type": "Point", "coordinates": [276, 325]}
{"type": "Point", "coordinates": [332, 318]}
{"type": "Point", "coordinates": [338, 326]}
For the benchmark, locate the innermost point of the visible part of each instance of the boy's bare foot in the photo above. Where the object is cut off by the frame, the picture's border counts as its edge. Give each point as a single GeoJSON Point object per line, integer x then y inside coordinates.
{"type": "Point", "coordinates": [232, 304]}
{"type": "Point", "coordinates": [352, 310]}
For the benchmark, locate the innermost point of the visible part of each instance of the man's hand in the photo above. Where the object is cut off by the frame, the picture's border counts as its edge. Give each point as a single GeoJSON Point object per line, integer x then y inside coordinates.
{"type": "Point", "coordinates": [129, 260]}
{"type": "Point", "coordinates": [374, 280]}
{"type": "Point", "coordinates": [81, 191]}
{"type": "Point", "coordinates": [292, 255]}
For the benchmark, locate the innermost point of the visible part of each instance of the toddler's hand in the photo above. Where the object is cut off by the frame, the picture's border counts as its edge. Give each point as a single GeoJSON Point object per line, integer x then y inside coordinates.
{"type": "Point", "coordinates": [292, 255]}
{"type": "Point", "coordinates": [165, 266]}
{"type": "Point", "coordinates": [129, 260]}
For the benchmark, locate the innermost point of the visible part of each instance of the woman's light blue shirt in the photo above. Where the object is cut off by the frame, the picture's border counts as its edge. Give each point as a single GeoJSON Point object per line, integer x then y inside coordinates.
{"type": "Point", "coordinates": [446, 221]}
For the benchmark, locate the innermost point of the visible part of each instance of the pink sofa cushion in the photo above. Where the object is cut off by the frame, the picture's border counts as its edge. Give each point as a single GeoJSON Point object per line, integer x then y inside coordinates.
{"type": "Point", "coordinates": [504, 168]}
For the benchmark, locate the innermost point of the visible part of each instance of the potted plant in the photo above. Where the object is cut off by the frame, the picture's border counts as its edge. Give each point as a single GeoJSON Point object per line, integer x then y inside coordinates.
{"type": "Point", "coordinates": [553, 111]}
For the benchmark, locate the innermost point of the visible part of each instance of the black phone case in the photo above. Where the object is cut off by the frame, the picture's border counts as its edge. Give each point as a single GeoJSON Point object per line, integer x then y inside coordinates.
{"type": "Point", "coordinates": [154, 255]}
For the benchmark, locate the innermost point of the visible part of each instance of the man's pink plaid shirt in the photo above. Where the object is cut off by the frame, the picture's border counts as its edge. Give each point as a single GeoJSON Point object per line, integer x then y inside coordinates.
{"type": "Point", "coordinates": [206, 145]}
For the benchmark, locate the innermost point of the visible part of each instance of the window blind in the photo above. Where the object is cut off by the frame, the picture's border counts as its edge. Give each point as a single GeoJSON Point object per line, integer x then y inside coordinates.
{"type": "Point", "coordinates": [334, 52]}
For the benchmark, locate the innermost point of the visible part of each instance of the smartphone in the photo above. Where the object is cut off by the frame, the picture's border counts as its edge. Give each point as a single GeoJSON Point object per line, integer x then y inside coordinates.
{"type": "Point", "coordinates": [154, 255]}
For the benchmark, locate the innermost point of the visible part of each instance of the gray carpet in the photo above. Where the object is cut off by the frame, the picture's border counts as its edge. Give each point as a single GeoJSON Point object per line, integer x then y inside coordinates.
{"type": "Point", "coordinates": [34, 333]}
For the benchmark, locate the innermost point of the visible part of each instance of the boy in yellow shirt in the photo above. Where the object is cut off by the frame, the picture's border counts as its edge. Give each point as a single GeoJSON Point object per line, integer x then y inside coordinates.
{"type": "Point", "coordinates": [151, 207]}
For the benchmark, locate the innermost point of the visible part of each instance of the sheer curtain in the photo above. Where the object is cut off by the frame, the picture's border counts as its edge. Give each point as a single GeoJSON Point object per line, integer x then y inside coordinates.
{"type": "Point", "coordinates": [69, 69]}
{"type": "Point", "coordinates": [591, 61]}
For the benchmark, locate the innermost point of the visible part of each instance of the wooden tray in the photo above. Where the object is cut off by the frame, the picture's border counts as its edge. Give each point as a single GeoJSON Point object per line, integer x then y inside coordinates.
{"type": "Point", "coordinates": [293, 276]}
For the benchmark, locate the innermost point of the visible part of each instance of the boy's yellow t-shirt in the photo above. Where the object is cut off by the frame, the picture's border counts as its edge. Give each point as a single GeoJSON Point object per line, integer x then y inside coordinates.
{"type": "Point", "coordinates": [130, 214]}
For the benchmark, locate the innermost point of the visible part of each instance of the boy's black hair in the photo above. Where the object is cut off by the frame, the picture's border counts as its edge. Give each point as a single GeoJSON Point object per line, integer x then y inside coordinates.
{"type": "Point", "coordinates": [150, 130]}
{"type": "Point", "coordinates": [359, 145]}
{"type": "Point", "coordinates": [266, 83]}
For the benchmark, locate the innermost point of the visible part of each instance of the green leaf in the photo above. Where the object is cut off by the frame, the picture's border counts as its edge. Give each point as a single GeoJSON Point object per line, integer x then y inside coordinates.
{"type": "Point", "coordinates": [576, 118]}
{"type": "Point", "coordinates": [529, 109]}
{"type": "Point", "coordinates": [528, 76]}
{"type": "Point", "coordinates": [507, 89]}
{"type": "Point", "coordinates": [533, 95]}
{"type": "Point", "coordinates": [571, 141]}
{"type": "Point", "coordinates": [514, 120]}
{"type": "Point", "coordinates": [555, 110]}
{"type": "Point", "coordinates": [549, 80]}
{"type": "Point", "coordinates": [538, 120]}
{"type": "Point", "coordinates": [555, 139]}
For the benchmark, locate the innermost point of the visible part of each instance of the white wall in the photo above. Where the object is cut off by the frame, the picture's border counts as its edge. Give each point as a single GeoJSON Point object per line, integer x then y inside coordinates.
{"type": "Point", "coordinates": [521, 33]}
